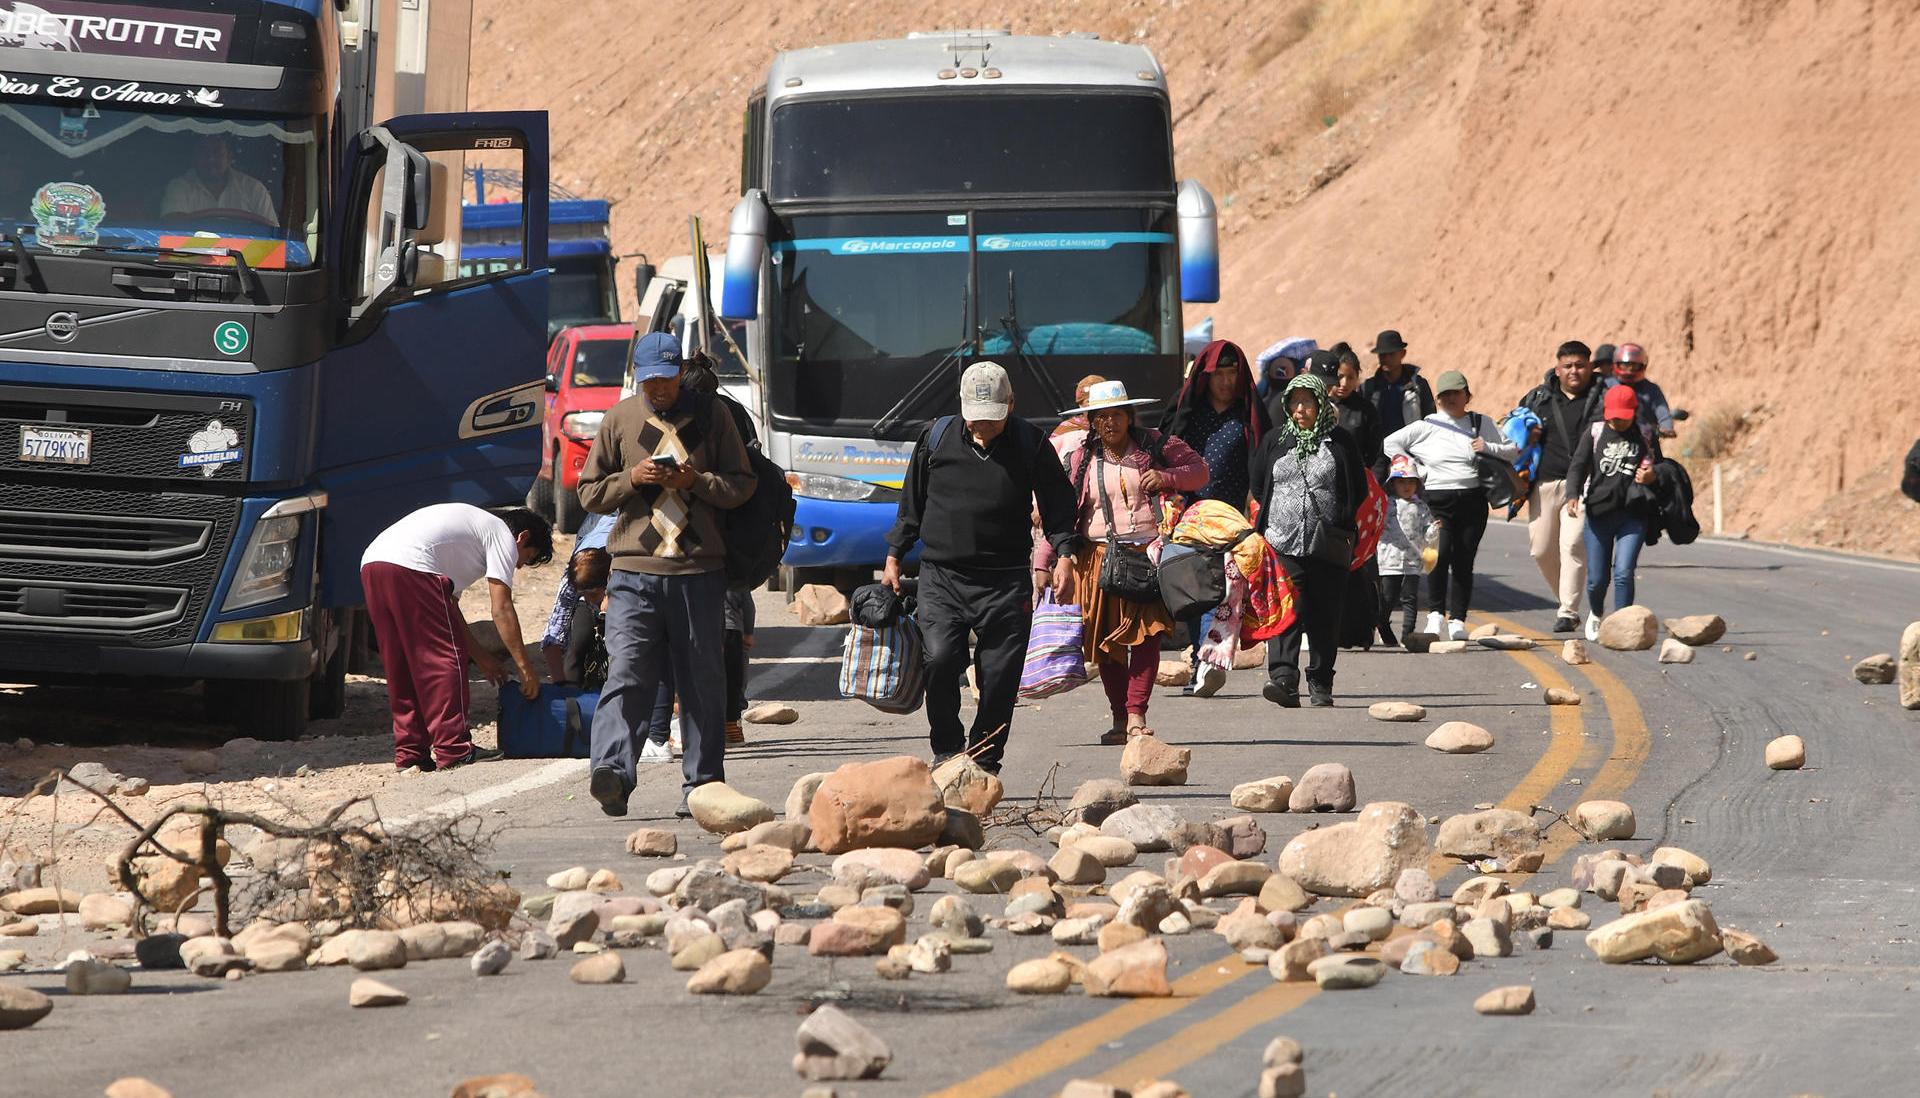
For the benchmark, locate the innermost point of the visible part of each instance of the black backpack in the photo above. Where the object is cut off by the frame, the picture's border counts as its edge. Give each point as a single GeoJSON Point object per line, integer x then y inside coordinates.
{"type": "Point", "coordinates": [1673, 503]}
{"type": "Point", "coordinates": [756, 532]}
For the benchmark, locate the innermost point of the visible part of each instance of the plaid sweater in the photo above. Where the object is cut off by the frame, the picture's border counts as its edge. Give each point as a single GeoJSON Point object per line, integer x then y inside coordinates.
{"type": "Point", "coordinates": [701, 433]}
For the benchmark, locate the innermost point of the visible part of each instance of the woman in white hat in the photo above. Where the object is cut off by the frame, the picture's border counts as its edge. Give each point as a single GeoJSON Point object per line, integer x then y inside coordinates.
{"type": "Point", "coordinates": [1119, 471]}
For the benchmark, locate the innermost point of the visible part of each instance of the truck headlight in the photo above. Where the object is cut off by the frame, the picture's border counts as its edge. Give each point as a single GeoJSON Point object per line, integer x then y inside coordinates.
{"type": "Point", "coordinates": [836, 489]}
{"type": "Point", "coordinates": [266, 568]}
{"type": "Point", "coordinates": [582, 425]}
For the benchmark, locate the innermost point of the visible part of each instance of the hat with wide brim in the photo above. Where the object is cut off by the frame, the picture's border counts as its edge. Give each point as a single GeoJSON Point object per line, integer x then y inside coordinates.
{"type": "Point", "coordinates": [1105, 396]}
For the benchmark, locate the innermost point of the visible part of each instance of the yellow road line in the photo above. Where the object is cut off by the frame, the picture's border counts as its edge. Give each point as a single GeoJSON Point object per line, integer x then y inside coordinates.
{"type": "Point", "coordinates": [1076, 1044]}
{"type": "Point", "coordinates": [1209, 1034]}
{"type": "Point", "coordinates": [1204, 1037]}
{"type": "Point", "coordinates": [1082, 1040]}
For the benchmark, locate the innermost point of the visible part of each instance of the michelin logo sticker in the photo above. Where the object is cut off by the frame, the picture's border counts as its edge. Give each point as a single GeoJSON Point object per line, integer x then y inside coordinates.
{"type": "Point", "coordinates": [212, 446]}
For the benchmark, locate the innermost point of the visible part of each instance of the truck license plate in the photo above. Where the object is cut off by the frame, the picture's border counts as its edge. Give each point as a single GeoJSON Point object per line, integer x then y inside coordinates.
{"type": "Point", "coordinates": [56, 445]}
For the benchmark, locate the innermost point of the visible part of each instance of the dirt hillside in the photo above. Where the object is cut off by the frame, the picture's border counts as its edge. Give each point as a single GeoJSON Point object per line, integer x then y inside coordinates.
{"type": "Point", "coordinates": [1729, 183]}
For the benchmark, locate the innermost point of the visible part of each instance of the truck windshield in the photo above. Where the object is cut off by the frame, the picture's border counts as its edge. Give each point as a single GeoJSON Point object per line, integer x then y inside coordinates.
{"type": "Point", "coordinates": [866, 305]}
{"type": "Point", "coordinates": [580, 290]}
{"type": "Point", "coordinates": [77, 178]}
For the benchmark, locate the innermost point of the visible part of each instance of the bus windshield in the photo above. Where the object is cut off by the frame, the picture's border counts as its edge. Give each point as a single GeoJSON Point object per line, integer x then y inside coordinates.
{"type": "Point", "coordinates": [866, 305]}
{"type": "Point", "coordinates": [79, 178]}
{"type": "Point", "coordinates": [972, 143]}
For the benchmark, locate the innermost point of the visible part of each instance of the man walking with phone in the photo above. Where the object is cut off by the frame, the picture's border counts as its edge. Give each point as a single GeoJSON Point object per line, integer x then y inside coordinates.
{"type": "Point", "coordinates": [665, 463]}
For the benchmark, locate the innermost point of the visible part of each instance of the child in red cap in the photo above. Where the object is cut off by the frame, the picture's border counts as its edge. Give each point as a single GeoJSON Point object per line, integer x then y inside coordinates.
{"type": "Point", "coordinates": [1611, 478]}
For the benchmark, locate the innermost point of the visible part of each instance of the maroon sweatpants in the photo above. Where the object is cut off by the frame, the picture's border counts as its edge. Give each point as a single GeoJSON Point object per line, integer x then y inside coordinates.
{"type": "Point", "coordinates": [423, 644]}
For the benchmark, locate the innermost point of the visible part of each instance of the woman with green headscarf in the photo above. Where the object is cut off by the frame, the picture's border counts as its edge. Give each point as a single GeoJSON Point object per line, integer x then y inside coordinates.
{"type": "Point", "coordinates": [1309, 481]}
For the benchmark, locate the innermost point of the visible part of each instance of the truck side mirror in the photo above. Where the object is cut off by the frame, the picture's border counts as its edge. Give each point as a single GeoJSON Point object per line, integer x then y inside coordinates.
{"type": "Point", "coordinates": [746, 244]}
{"type": "Point", "coordinates": [406, 208]}
{"type": "Point", "coordinates": [1199, 244]}
{"type": "Point", "coordinates": [642, 278]}
{"type": "Point", "coordinates": [553, 384]}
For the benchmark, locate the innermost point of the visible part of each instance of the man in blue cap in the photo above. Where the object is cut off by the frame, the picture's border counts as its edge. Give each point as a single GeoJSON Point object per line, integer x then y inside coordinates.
{"type": "Point", "coordinates": [665, 463]}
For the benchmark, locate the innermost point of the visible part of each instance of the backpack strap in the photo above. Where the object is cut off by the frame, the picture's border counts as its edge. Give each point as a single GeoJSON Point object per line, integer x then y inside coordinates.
{"type": "Point", "coordinates": [939, 431]}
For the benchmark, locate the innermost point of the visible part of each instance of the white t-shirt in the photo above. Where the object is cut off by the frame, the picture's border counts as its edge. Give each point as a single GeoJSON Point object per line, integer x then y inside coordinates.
{"type": "Point", "coordinates": [455, 540]}
{"type": "Point", "coordinates": [189, 194]}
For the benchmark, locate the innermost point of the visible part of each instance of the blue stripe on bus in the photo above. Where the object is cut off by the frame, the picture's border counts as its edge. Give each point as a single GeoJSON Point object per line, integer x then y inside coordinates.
{"type": "Point", "coordinates": [947, 245]}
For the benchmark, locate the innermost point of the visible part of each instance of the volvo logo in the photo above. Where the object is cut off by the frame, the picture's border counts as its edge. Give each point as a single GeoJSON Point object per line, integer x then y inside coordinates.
{"type": "Point", "coordinates": [62, 327]}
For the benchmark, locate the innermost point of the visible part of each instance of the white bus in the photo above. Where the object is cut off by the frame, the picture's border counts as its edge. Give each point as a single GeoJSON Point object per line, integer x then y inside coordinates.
{"type": "Point", "coordinates": [912, 206]}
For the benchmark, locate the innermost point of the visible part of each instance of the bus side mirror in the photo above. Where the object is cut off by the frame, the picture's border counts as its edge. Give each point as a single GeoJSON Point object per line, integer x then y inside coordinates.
{"type": "Point", "coordinates": [1199, 244]}
{"type": "Point", "coordinates": [746, 244]}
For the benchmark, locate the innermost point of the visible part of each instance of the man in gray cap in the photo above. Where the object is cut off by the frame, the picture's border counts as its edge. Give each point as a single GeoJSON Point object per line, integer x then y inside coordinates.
{"type": "Point", "coordinates": [665, 463]}
{"type": "Point", "coordinates": [966, 501]}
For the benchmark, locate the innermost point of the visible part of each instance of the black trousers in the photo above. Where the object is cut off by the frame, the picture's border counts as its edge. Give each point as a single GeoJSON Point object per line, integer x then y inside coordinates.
{"type": "Point", "coordinates": [1320, 600]}
{"type": "Point", "coordinates": [1463, 519]}
{"type": "Point", "coordinates": [996, 607]}
{"type": "Point", "coordinates": [1401, 593]}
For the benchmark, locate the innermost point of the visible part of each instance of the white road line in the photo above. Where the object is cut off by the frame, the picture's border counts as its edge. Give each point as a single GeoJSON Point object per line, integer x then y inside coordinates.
{"type": "Point", "coordinates": [557, 771]}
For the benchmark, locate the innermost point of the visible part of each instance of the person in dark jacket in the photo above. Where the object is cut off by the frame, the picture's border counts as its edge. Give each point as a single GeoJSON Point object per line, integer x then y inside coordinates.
{"type": "Point", "coordinates": [1910, 480]}
{"type": "Point", "coordinates": [1567, 404]}
{"type": "Point", "coordinates": [1308, 481]}
{"type": "Point", "coordinates": [1610, 479]}
{"type": "Point", "coordinates": [1396, 389]}
{"type": "Point", "coordinates": [1340, 368]}
{"type": "Point", "coordinates": [966, 500]}
{"type": "Point", "coordinates": [1218, 415]}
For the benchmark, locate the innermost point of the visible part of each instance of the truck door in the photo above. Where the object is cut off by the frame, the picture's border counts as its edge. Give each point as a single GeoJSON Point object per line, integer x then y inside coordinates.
{"type": "Point", "coordinates": [436, 391]}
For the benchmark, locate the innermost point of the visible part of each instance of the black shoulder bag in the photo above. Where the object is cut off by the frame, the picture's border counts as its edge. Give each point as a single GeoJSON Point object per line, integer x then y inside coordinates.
{"type": "Point", "coordinates": [1127, 572]}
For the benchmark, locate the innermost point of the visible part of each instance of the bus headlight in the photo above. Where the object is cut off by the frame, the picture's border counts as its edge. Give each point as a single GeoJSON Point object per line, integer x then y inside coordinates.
{"type": "Point", "coordinates": [582, 426]}
{"type": "Point", "coordinates": [266, 568]}
{"type": "Point", "coordinates": [836, 489]}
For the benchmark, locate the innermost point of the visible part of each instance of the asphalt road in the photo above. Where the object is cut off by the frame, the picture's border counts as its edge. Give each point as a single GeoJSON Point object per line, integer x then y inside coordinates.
{"type": "Point", "coordinates": [1818, 862]}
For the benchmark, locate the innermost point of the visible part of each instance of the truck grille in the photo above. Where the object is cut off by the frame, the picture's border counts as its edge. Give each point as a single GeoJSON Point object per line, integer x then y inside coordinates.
{"type": "Point", "coordinates": [135, 567]}
{"type": "Point", "coordinates": [65, 535]}
{"type": "Point", "coordinates": [133, 434]}
{"type": "Point", "coordinates": [78, 606]}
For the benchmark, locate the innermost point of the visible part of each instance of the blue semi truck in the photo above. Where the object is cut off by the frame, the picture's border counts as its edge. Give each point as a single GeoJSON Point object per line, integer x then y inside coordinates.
{"type": "Point", "coordinates": [581, 287]}
{"type": "Point", "coordinates": [235, 342]}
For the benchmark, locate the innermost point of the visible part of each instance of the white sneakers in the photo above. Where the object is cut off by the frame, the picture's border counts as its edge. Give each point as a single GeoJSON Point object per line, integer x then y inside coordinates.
{"type": "Point", "coordinates": [1456, 630]}
{"type": "Point", "coordinates": [1209, 682]}
{"type": "Point", "coordinates": [1436, 624]}
{"type": "Point", "coordinates": [1593, 626]}
{"type": "Point", "coordinates": [655, 752]}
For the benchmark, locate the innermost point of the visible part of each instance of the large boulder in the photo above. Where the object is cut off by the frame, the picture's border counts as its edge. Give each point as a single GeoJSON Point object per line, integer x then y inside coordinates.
{"type": "Point", "coordinates": [1678, 934]}
{"type": "Point", "coordinates": [820, 604]}
{"type": "Point", "coordinates": [892, 802]}
{"type": "Point", "coordinates": [1132, 971]}
{"type": "Point", "coordinates": [1361, 856]}
{"type": "Point", "coordinates": [1496, 833]}
{"type": "Point", "coordinates": [1097, 799]}
{"type": "Point", "coordinates": [721, 809]}
{"type": "Point", "coordinates": [1697, 629]}
{"type": "Point", "coordinates": [966, 784]}
{"type": "Point", "coordinates": [1327, 787]}
{"type": "Point", "coordinates": [1460, 738]}
{"type": "Point", "coordinates": [1149, 827]}
{"type": "Point", "coordinates": [1149, 760]}
{"type": "Point", "coordinates": [1629, 629]}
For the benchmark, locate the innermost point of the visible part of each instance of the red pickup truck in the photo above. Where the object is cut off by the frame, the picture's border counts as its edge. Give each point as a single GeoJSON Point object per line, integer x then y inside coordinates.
{"type": "Point", "coordinates": [585, 365]}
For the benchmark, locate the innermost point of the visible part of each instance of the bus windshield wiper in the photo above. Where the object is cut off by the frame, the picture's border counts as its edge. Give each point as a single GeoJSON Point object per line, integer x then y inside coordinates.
{"type": "Point", "coordinates": [1010, 324]}
{"type": "Point", "coordinates": [26, 268]}
{"type": "Point", "coordinates": [890, 421]}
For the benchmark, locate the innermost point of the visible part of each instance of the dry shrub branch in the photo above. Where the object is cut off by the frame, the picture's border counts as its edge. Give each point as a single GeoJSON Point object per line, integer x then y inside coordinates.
{"type": "Point", "coordinates": [348, 867]}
